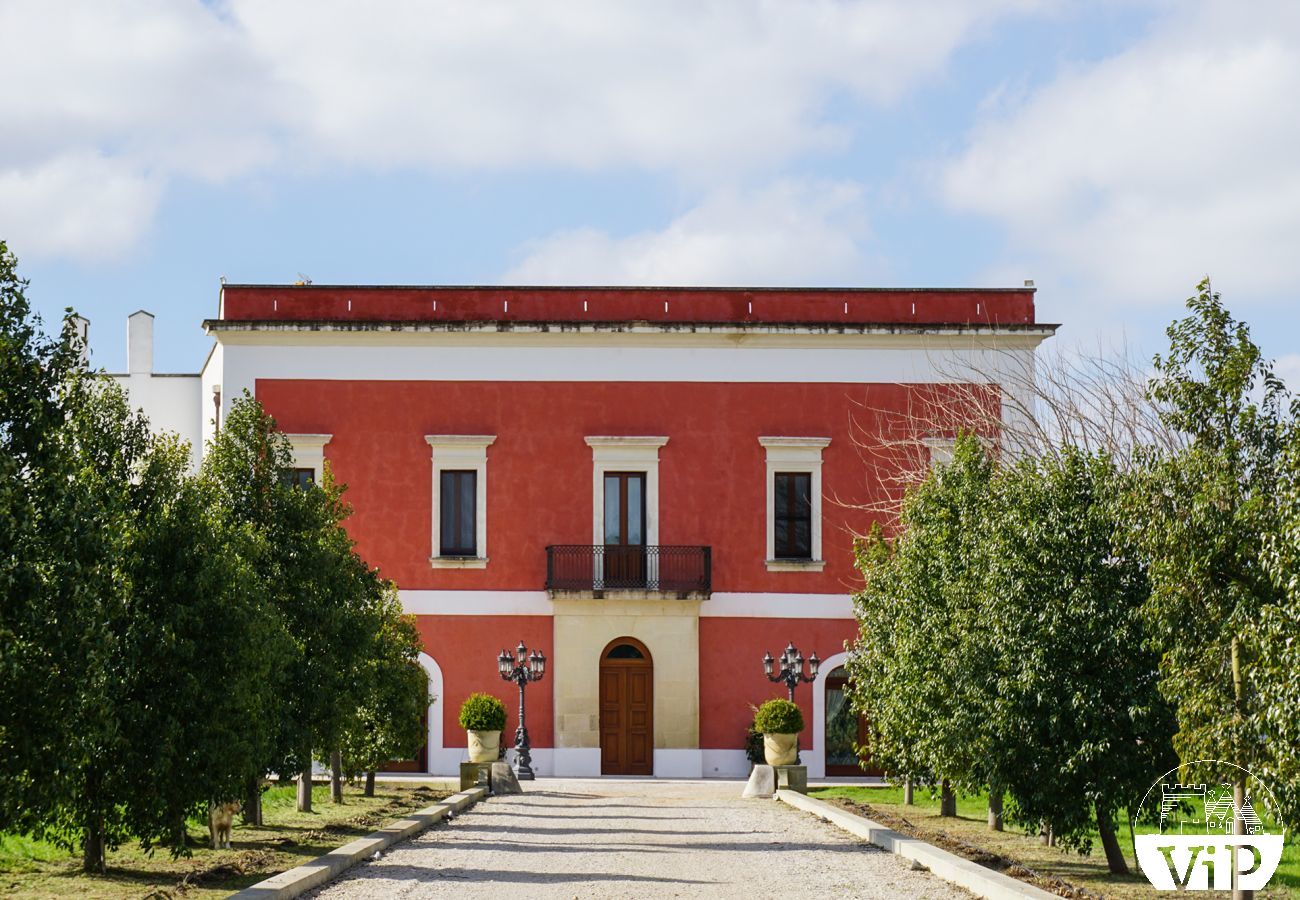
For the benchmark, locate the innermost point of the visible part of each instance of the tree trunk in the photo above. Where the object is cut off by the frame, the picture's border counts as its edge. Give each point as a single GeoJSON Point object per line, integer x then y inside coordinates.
{"type": "Point", "coordinates": [92, 858]}
{"type": "Point", "coordinates": [907, 792]}
{"type": "Point", "coordinates": [1115, 862]}
{"type": "Point", "coordinates": [336, 777]}
{"type": "Point", "coordinates": [370, 784]}
{"type": "Point", "coordinates": [304, 790]}
{"type": "Point", "coordinates": [995, 810]}
{"type": "Point", "coordinates": [1239, 784]}
{"type": "Point", "coordinates": [253, 801]}
{"type": "Point", "coordinates": [947, 799]}
{"type": "Point", "coordinates": [1238, 826]}
{"type": "Point", "coordinates": [1045, 832]}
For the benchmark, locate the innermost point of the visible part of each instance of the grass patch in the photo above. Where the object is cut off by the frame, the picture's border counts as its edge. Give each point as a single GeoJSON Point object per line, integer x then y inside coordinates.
{"type": "Point", "coordinates": [31, 869]}
{"type": "Point", "coordinates": [968, 835]}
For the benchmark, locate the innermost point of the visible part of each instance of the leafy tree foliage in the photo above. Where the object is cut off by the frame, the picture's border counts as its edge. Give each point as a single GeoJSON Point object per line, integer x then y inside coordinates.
{"type": "Point", "coordinates": [1079, 724]}
{"type": "Point", "coordinates": [389, 722]}
{"type": "Point", "coordinates": [34, 470]}
{"type": "Point", "coordinates": [1205, 516]}
{"type": "Point", "coordinates": [328, 602]}
{"type": "Point", "coordinates": [165, 639]}
{"type": "Point", "coordinates": [919, 664]}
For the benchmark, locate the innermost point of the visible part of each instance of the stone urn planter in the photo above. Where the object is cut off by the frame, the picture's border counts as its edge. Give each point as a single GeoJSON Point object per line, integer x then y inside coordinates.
{"type": "Point", "coordinates": [780, 749]}
{"type": "Point", "coordinates": [779, 721]}
{"type": "Point", "coordinates": [483, 717]}
{"type": "Point", "coordinates": [484, 746]}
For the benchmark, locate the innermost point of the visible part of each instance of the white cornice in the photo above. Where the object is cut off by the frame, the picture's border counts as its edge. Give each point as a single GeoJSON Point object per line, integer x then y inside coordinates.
{"type": "Point", "coordinates": [810, 443]}
{"type": "Point", "coordinates": [460, 440]}
{"type": "Point", "coordinates": [628, 441]}
{"type": "Point", "coordinates": [572, 334]}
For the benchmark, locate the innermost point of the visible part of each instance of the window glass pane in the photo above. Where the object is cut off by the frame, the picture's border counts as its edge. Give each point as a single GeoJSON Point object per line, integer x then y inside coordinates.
{"type": "Point", "coordinates": [841, 729]}
{"type": "Point", "coordinates": [468, 509]}
{"type": "Point", "coordinates": [457, 517]}
{"type": "Point", "coordinates": [447, 515]}
{"type": "Point", "coordinates": [625, 651]}
{"type": "Point", "coordinates": [803, 495]}
{"type": "Point", "coordinates": [635, 508]}
{"type": "Point", "coordinates": [802, 539]}
{"type": "Point", "coordinates": [611, 509]}
{"type": "Point", "coordinates": [781, 494]}
{"type": "Point", "coordinates": [782, 537]}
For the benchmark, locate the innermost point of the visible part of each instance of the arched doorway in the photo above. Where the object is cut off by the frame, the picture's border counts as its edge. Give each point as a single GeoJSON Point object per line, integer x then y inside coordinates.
{"type": "Point", "coordinates": [845, 729]}
{"type": "Point", "coordinates": [626, 709]}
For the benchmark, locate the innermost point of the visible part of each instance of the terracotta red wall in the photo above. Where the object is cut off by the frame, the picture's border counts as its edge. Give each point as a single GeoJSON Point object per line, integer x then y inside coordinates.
{"type": "Point", "coordinates": [465, 648]}
{"type": "Point", "coordinates": [731, 670]}
{"type": "Point", "coordinates": [563, 304]}
{"type": "Point", "coordinates": [712, 471]}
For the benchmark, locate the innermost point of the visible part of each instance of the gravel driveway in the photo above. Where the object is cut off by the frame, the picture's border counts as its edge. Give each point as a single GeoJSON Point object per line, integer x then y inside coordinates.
{"type": "Point", "coordinates": [635, 839]}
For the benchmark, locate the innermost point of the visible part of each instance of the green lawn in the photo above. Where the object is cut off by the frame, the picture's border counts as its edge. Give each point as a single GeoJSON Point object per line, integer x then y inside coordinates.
{"type": "Point", "coordinates": [970, 829]}
{"type": "Point", "coordinates": [32, 869]}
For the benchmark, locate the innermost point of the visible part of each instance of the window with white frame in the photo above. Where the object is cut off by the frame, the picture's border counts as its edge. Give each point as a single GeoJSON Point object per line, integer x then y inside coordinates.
{"type": "Point", "coordinates": [459, 499]}
{"type": "Point", "coordinates": [794, 503]}
{"type": "Point", "coordinates": [941, 449]}
{"type": "Point", "coordinates": [308, 458]}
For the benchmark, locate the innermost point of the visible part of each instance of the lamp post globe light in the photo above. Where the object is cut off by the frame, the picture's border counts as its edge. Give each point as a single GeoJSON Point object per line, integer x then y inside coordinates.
{"type": "Point", "coordinates": [522, 667]}
{"type": "Point", "coordinates": [792, 668]}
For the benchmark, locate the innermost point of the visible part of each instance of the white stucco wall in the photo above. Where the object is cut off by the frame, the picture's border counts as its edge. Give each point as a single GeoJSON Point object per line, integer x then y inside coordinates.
{"type": "Point", "coordinates": [172, 403]}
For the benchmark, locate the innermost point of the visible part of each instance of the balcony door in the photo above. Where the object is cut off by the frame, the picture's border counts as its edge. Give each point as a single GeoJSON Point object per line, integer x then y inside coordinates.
{"type": "Point", "coordinates": [625, 555]}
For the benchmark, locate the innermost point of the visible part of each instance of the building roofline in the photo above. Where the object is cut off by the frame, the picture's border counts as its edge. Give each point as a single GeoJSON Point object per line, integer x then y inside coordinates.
{"type": "Point", "coordinates": [636, 287]}
{"type": "Point", "coordinates": [637, 326]}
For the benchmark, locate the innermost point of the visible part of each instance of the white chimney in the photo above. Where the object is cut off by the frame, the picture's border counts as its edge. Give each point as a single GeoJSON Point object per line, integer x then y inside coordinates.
{"type": "Point", "coordinates": [139, 343]}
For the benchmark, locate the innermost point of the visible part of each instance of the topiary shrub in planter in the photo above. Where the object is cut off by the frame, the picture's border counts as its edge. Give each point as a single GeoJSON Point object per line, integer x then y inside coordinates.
{"type": "Point", "coordinates": [779, 721]}
{"type": "Point", "coordinates": [483, 717]}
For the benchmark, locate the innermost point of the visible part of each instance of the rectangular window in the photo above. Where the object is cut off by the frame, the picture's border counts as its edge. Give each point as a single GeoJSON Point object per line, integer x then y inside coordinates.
{"type": "Point", "coordinates": [300, 478]}
{"type": "Point", "coordinates": [458, 524]}
{"type": "Point", "coordinates": [792, 515]}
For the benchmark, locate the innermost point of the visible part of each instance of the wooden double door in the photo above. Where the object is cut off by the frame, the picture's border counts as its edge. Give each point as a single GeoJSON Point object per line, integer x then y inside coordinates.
{"type": "Point", "coordinates": [626, 709]}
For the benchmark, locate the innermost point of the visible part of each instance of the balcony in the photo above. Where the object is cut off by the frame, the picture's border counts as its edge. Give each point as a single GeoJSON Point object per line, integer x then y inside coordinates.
{"type": "Point", "coordinates": [629, 571]}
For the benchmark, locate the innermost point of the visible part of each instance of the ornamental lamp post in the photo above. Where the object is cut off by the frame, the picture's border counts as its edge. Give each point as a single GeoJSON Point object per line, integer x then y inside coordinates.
{"type": "Point", "coordinates": [521, 668]}
{"type": "Point", "coordinates": [792, 668]}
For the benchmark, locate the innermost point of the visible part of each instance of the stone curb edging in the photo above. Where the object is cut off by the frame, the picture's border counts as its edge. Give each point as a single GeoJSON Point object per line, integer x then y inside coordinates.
{"type": "Point", "coordinates": [962, 872]}
{"type": "Point", "coordinates": [310, 875]}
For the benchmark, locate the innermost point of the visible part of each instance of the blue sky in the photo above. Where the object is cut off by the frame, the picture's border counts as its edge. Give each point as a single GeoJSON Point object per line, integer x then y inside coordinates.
{"type": "Point", "coordinates": [1115, 152]}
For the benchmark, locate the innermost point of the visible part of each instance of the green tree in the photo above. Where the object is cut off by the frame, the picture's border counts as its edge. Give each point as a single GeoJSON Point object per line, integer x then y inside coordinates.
{"type": "Point", "coordinates": [1078, 721]}
{"type": "Point", "coordinates": [389, 723]}
{"type": "Point", "coordinates": [919, 664]}
{"type": "Point", "coordinates": [35, 473]}
{"type": "Point", "coordinates": [1204, 518]}
{"type": "Point", "coordinates": [326, 600]}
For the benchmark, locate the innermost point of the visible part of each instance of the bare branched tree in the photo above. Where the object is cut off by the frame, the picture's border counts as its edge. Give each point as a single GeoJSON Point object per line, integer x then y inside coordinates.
{"type": "Point", "coordinates": [1020, 402]}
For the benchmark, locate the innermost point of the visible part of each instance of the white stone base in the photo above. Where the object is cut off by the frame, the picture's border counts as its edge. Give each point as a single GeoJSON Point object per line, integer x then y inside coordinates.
{"type": "Point", "coordinates": [576, 762]}
{"type": "Point", "coordinates": [678, 764]}
{"type": "Point", "coordinates": [724, 764]}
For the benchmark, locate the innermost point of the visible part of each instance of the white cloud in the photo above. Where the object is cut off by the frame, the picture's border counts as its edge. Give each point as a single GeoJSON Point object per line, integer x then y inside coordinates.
{"type": "Point", "coordinates": [791, 232]}
{"type": "Point", "coordinates": [1140, 173]}
{"type": "Point", "coordinates": [80, 205]}
{"type": "Point", "coordinates": [171, 90]}
{"type": "Point", "coordinates": [1287, 367]}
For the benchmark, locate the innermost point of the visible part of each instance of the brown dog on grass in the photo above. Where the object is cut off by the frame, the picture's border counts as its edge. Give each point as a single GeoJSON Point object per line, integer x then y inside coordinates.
{"type": "Point", "coordinates": [221, 818]}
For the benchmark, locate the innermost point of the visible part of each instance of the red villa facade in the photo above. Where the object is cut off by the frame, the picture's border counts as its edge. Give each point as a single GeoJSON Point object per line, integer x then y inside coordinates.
{"type": "Point", "coordinates": [653, 486]}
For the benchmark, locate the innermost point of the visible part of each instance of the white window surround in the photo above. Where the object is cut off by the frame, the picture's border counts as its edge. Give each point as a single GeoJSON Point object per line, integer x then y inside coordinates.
{"type": "Point", "coordinates": [309, 453]}
{"type": "Point", "coordinates": [941, 449]}
{"type": "Point", "coordinates": [466, 452]}
{"type": "Point", "coordinates": [617, 453]}
{"type": "Point", "coordinates": [795, 454]}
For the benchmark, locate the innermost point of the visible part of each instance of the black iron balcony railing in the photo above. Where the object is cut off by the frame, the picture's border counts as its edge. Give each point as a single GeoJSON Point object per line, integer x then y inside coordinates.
{"type": "Point", "coordinates": [575, 567]}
